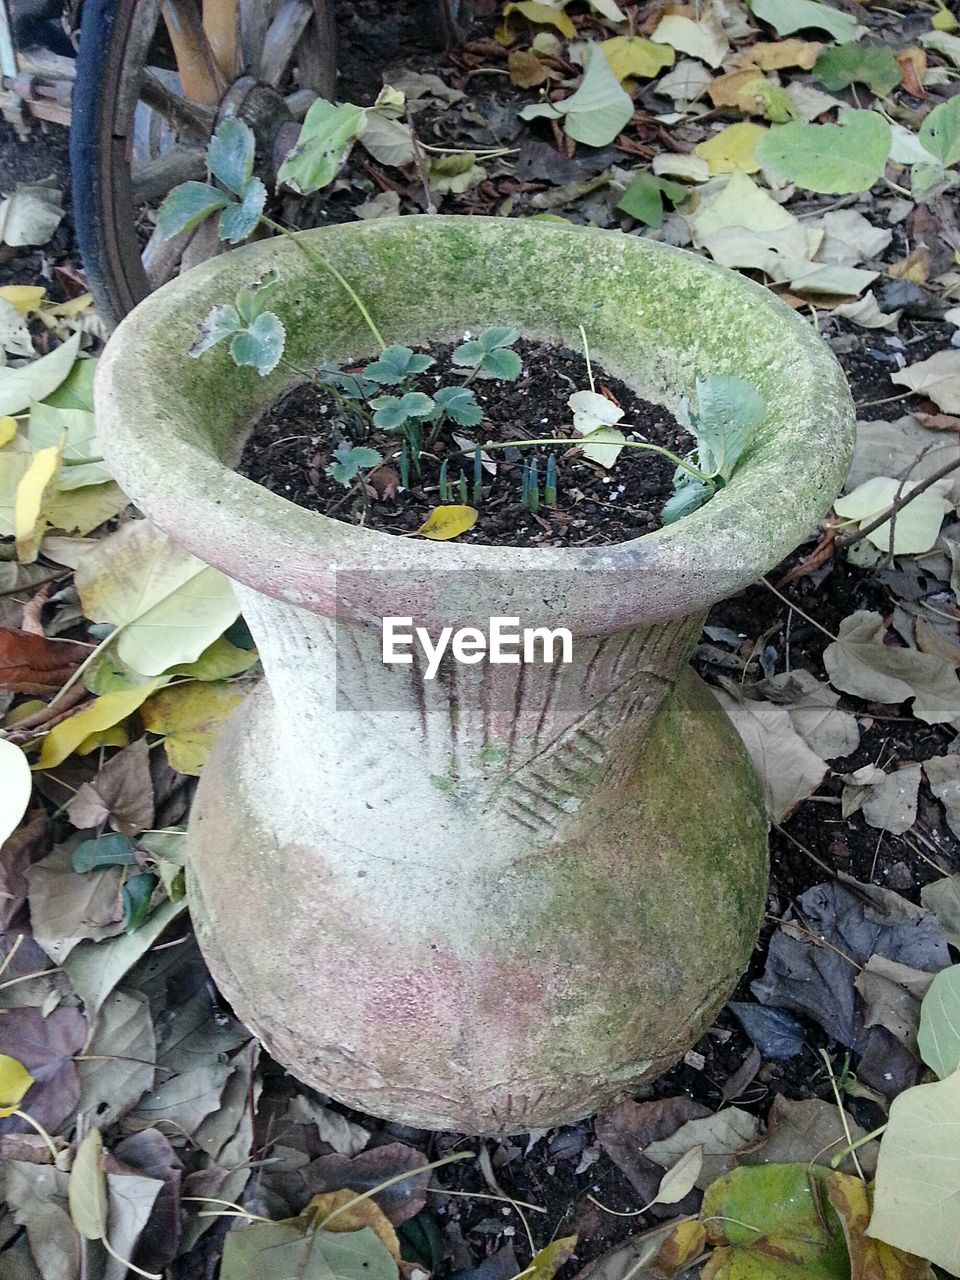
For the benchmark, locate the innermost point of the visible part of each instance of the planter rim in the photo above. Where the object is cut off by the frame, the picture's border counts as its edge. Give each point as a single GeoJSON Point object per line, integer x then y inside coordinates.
{"type": "Point", "coordinates": [165, 456]}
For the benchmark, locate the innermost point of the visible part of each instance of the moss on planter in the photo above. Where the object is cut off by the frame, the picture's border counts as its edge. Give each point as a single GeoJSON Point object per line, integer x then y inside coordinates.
{"type": "Point", "coordinates": [498, 903]}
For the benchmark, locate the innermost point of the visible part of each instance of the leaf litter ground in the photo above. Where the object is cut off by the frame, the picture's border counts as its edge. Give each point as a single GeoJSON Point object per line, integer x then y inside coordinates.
{"type": "Point", "coordinates": [845, 950]}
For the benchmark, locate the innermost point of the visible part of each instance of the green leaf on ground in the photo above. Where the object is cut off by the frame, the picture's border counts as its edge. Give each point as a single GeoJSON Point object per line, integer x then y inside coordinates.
{"type": "Point", "coordinates": [597, 111]}
{"type": "Point", "coordinates": [787, 16]}
{"type": "Point", "coordinates": [643, 198]}
{"type": "Point", "coordinates": [292, 1247]}
{"type": "Point", "coordinates": [766, 1220]}
{"type": "Point", "coordinates": [395, 364]}
{"type": "Point", "coordinates": [875, 66]}
{"type": "Point", "coordinates": [939, 1036]}
{"type": "Point", "coordinates": [832, 159]}
{"type": "Point", "coordinates": [917, 1188]}
{"type": "Point", "coordinates": [37, 380]}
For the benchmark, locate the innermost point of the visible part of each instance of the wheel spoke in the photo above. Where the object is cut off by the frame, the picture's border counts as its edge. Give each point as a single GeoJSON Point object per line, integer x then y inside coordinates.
{"type": "Point", "coordinates": [199, 73]}
{"type": "Point", "coordinates": [186, 117]}
{"type": "Point", "coordinates": [204, 244]}
{"type": "Point", "coordinates": [317, 52]}
{"type": "Point", "coordinates": [153, 180]}
{"type": "Point", "coordinates": [283, 37]}
{"type": "Point", "coordinates": [221, 22]}
{"type": "Point", "coordinates": [255, 16]}
{"type": "Point", "coordinates": [299, 103]}
{"type": "Point", "coordinates": [161, 256]}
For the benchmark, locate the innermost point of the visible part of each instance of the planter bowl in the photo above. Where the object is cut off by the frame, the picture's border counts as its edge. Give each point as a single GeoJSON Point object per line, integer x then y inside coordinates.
{"type": "Point", "coordinates": [499, 899]}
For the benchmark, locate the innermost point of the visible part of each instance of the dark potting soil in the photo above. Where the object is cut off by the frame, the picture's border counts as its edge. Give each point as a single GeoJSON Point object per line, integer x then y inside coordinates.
{"type": "Point", "coordinates": [292, 445]}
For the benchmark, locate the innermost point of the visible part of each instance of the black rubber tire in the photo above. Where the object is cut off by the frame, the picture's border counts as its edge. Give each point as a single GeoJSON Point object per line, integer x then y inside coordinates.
{"type": "Point", "coordinates": [110, 251]}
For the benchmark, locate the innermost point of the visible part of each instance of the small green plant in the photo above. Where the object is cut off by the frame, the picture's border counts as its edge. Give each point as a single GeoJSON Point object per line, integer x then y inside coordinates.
{"type": "Point", "coordinates": [727, 413]}
{"type": "Point", "coordinates": [348, 461]}
{"type": "Point", "coordinates": [256, 335]}
{"type": "Point", "coordinates": [724, 422]}
{"type": "Point", "coordinates": [490, 354]}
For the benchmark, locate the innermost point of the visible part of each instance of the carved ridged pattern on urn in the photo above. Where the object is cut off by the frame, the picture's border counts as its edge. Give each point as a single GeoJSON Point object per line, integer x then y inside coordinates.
{"type": "Point", "coordinates": [499, 899]}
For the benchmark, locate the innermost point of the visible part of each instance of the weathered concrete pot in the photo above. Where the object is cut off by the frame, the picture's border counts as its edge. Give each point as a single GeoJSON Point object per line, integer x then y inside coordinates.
{"type": "Point", "coordinates": [498, 900]}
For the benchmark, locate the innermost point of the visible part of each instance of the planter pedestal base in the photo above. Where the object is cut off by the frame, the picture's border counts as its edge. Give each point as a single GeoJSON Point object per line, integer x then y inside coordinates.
{"type": "Point", "coordinates": [522, 993]}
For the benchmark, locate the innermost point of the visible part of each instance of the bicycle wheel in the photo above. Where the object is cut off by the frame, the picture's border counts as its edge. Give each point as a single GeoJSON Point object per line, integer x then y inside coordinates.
{"type": "Point", "coordinates": [154, 78]}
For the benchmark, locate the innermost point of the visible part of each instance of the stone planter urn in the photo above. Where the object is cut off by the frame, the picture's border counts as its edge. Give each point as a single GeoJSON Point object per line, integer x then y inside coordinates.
{"type": "Point", "coordinates": [502, 898]}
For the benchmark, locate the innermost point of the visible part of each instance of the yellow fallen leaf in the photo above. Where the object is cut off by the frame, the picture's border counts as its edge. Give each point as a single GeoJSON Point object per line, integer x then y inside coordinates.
{"type": "Point", "coordinates": [733, 149]}
{"type": "Point", "coordinates": [73, 307]}
{"type": "Point", "coordinates": [25, 297]}
{"type": "Point", "coordinates": [444, 523]}
{"type": "Point", "coordinates": [190, 718]}
{"type": "Point", "coordinates": [33, 494]}
{"type": "Point", "coordinates": [634, 57]}
{"type": "Point", "coordinates": [540, 15]}
{"type": "Point", "coordinates": [15, 1080]}
{"type": "Point", "coordinates": [545, 1264]}
{"type": "Point", "coordinates": [8, 429]}
{"type": "Point", "coordinates": [115, 736]}
{"type": "Point", "coordinates": [944, 20]}
{"type": "Point", "coordinates": [783, 53]}
{"type": "Point", "coordinates": [352, 1214]}
{"type": "Point", "coordinates": [752, 93]}
{"type": "Point", "coordinates": [684, 1243]}
{"type": "Point", "coordinates": [64, 738]}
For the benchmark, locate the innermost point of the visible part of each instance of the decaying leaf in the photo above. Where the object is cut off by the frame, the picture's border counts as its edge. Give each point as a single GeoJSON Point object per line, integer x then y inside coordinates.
{"type": "Point", "coordinates": [766, 1220]}
{"type": "Point", "coordinates": [888, 800]}
{"type": "Point", "coordinates": [869, 1258]}
{"type": "Point", "coordinates": [718, 1137]}
{"type": "Point", "coordinates": [859, 662]}
{"type": "Point", "coordinates": [789, 770]}
{"type": "Point", "coordinates": [45, 1046]}
{"type": "Point", "coordinates": [937, 377]}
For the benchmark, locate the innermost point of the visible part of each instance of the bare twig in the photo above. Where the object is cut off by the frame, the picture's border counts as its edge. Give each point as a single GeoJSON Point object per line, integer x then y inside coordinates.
{"type": "Point", "coordinates": [418, 161]}
{"type": "Point", "coordinates": [902, 499]}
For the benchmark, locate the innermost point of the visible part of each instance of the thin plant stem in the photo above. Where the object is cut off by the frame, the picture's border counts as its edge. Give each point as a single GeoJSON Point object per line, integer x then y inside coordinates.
{"type": "Point", "coordinates": [586, 356]}
{"type": "Point", "coordinates": [624, 444]}
{"type": "Point", "coordinates": [837, 1159]}
{"type": "Point", "coordinates": [806, 617]}
{"type": "Point", "coordinates": [320, 260]}
{"type": "Point", "coordinates": [619, 1213]}
{"type": "Point", "coordinates": [35, 1124]}
{"type": "Point", "coordinates": [487, 1195]}
{"type": "Point", "coordinates": [843, 1115]}
{"type": "Point", "coordinates": [902, 500]}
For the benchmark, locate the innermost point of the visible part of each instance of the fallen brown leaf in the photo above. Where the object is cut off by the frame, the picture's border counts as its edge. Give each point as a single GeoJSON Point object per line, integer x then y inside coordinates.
{"type": "Point", "coordinates": [121, 793]}
{"type": "Point", "coordinates": [31, 663]}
